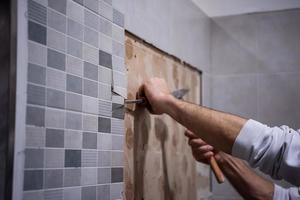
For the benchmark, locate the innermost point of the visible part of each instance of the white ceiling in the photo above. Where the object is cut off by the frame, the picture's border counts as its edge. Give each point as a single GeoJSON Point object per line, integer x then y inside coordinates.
{"type": "Point", "coordinates": [214, 8]}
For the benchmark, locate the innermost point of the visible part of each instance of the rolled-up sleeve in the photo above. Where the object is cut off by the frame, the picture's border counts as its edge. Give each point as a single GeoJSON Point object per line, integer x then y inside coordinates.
{"type": "Point", "coordinates": [275, 151]}
{"type": "Point", "coordinates": [280, 193]}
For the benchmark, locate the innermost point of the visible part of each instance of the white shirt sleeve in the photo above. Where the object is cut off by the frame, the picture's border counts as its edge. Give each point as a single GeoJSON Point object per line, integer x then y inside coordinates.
{"type": "Point", "coordinates": [286, 194]}
{"type": "Point", "coordinates": [275, 151]}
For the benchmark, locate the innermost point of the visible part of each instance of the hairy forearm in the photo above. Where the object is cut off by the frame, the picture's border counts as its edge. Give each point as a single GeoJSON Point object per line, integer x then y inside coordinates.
{"type": "Point", "coordinates": [216, 128]}
{"type": "Point", "coordinates": [243, 179]}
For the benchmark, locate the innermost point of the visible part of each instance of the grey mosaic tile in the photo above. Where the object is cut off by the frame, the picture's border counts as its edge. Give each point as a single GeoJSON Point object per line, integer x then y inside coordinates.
{"type": "Point", "coordinates": [55, 118]}
{"type": "Point", "coordinates": [105, 43]}
{"type": "Point", "coordinates": [74, 121]}
{"type": "Point", "coordinates": [117, 159]}
{"type": "Point", "coordinates": [54, 138]}
{"type": "Point", "coordinates": [103, 192]}
{"type": "Point", "coordinates": [89, 140]}
{"type": "Point", "coordinates": [108, 1]}
{"type": "Point", "coordinates": [34, 158]}
{"type": "Point", "coordinates": [74, 47]}
{"type": "Point", "coordinates": [116, 175]}
{"type": "Point", "coordinates": [37, 32]}
{"type": "Point", "coordinates": [36, 95]}
{"type": "Point", "coordinates": [37, 54]}
{"type": "Point", "coordinates": [53, 194]}
{"type": "Point", "coordinates": [72, 158]}
{"type": "Point", "coordinates": [56, 40]}
{"type": "Point", "coordinates": [53, 178]}
{"type": "Point", "coordinates": [90, 88]}
{"type": "Point", "coordinates": [42, 2]}
{"type": "Point", "coordinates": [105, 108]}
{"type": "Point", "coordinates": [92, 5]}
{"type": "Point", "coordinates": [74, 65]}
{"type": "Point", "coordinates": [119, 79]}
{"type": "Point", "coordinates": [90, 123]}
{"type": "Point", "coordinates": [104, 92]}
{"type": "Point", "coordinates": [74, 102]}
{"type": "Point", "coordinates": [117, 126]}
{"type": "Point", "coordinates": [104, 159]}
{"type": "Point", "coordinates": [37, 12]}
{"type": "Point", "coordinates": [35, 116]}
{"type": "Point", "coordinates": [90, 54]}
{"type": "Point", "coordinates": [88, 176]}
{"type": "Point", "coordinates": [118, 34]}
{"type": "Point", "coordinates": [73, 139]}
{"type": "Point", "coordinates": [89, 158]}
{"type": "Point", "coordinates": [90, 105]}
{"type": "Point", "coordinates": [105, 59]}
{"type": "Point", "coordinates": [105, 75]}
{"type": "Point", "coordinates": [105, 10]}
{"type": "Point", "coordinates": [75, 11]}
{"type": "Point", "coordinates": [88, 193]}
{"type": "Point", "coordinates": [36, 74]}
{"type": "Point", "coordinates": [90, 71]}
{"type": "Point", "coordinates": [104, 142]}
{"type": "Point", "coordinates": [35, 137]}
{"type": "Point", "coordinates": [79, 1]}
{"type": "Point", "coordinates": [104, 175]}
{"type": "Point", "coordinates": [116, 191]}
{"type": "Point", "coordinates": [54, 158]}
{"type": "Point", "coordinates": [55, 98]}
{"type": "Point", "coordinates": [105, 27]}
{"type": "Point", "coordinates": [29, 195]}
{"type": "Point", "coordinates": [117, 142]}
{"type": "Point", "coordinates": [33, 179]}
{"type": "Point", "coordinates": [74, 84]}
{"type": "Point", "coordinates": [56, 60]}
{"type": "Point", "coordinates": [72, 177]}
{"type": "Point", "coordinates": [91, 19]}
{"type": "Point", "coordinates": [118, 64]}
{"type": "Point", "coordinates": [118, 49]}
{"type": "Point", "coordinates": [91, 37]}
{"type": "Point", "coordinates": [104, 124]}
{"type": "Point", "coordinates": [72, 193]}
{"type": "Point", "coordinates": [118, 111]}
{"type": "Point", "coordinates": [118, 18]}
{"type": "Point", "coordinates": [117, 99]}
{"type": "Point", "coordinates": [58, 5]}
{"type": "Point", "coordinates": [75, 29]}
{"type": "Point", "coordinates": [57, 21]}
{"type": "Point", "coordinates": [56, 79]}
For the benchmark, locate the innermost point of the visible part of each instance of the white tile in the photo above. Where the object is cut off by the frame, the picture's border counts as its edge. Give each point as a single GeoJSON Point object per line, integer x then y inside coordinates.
{"type": "Point", "coordinates": [90, 123]}
{"type": "Point", "coordinates": [90, 105]}
{"type": "Point", "coordinates": [37, 54]}
{"type": "Point", "coordinates": [75, 11]}
{"type": "Point", "coordinates": [90, 54]}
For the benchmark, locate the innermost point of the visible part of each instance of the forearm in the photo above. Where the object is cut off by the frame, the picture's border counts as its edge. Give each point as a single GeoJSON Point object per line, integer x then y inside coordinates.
{"type": "Point", "coordinates": [216, 128]}
{"type": "Point", "coordinates": [243, 179]}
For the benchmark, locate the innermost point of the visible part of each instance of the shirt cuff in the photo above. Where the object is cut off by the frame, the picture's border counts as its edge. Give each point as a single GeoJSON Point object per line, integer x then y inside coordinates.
{"type": "Point", "coordinates": [280, 193]}
{"type": "Point", "coordinates": [246, 139]}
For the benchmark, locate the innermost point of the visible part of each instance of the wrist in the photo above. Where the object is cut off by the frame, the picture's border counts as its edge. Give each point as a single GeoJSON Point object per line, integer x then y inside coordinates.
{"type": "Point", "coordinates": [168, 105]}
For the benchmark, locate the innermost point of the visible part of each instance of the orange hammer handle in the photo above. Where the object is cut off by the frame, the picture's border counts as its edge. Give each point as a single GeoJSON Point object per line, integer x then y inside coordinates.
{"type": "Point", "coordinates": [216, 170]}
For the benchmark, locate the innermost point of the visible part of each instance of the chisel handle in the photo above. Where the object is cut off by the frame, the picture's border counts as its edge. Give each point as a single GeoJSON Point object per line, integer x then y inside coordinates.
{"type": "Point", "coordinates": [216, 170]}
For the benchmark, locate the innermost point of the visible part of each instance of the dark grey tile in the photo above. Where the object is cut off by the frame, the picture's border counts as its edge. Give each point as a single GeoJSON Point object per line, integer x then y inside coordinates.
{"type": "Point", "coordinates": [104, 125]}
{"type": "Point", "coordinates": [79, 1]}
{"type": "Point", "coordinates": [74, 121]}
{"type": "Point", "coordinates": [37, 33]}
{"type": "Point", "coordinates": [36, 74]}
{"type": "Point", "coordinates": [104, 175]}
{"type": "Point", "coordinates": [118, 111]}
{"type": "Point", "coordinates": [35, 116]}
{"type": "Point", "coordinates": [88, 193]}
{"type": "Point", "coordinates": [53, 178]}
{"type": "Point", "coordinates": [74, 47]}
{"type": "Point", "coordinates": [75, 29]}
{"type": "Point", "coordinates": [104, 159]}
{"type": "Point", "coordinates": [72, 158]}
{"type": "Point", "coordinates": [105, 59]}
{"type": "Point", "coordinates": [34, 158]}
{"type": "Point", "coordinates": [90, 88]}
{"type": "Point", "coordinates": [55, 98]}
{"type": "Point", "coordinates": [72, 177]}
{"type": "Point", "coordinates": [37, 12]}
{"type": "Point", "coordinates": [54, 138]}
{"type": "Point", "coordinates": [118, 18]}
{"type": "Point", "coordinates": [91, 37]}
{"type": "Point", "coordinates": [74, 102]}
{"type": "Point", "coordinates": [90, 71]}
{"type": "Point", "coordinates": [116, 175]}
{"type": "Point", "coordinates": [92, 5]}
{"type": "Point", "coordinates": [74, 84]}
{"type": "Point", "coordinates": [57, 21]}
{"type": "Point", "coordinates": [58, 5]}
{"type": "Point", "coordinates": [56, 60]}
{"type": "Point", "coordinates": [103, 192]}
{"type": "Point", "coordinates": [36, 94]}
{"type": "Point", "coordinates": [33, 179]}
{"type": "Point", "coordinates": [89, 140]}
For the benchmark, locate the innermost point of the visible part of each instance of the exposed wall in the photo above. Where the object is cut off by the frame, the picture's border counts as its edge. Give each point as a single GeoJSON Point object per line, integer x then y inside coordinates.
{"type": "Point", "coordinates": [256, 69]}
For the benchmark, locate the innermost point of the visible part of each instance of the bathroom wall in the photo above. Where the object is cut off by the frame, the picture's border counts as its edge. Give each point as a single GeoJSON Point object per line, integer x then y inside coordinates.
{"type": "Point", "coordinates": [256, 70]}
{"type": "Point", "coordinates": [75, 86]}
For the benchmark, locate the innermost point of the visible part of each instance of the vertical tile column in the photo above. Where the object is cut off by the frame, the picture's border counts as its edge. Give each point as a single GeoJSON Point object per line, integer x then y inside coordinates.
{"type": "Point", "coordinates": [75, 92]}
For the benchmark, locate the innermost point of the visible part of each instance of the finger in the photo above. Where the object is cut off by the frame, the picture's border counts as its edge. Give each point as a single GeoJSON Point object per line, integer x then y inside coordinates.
{"type": "Point", "coordinates": [190, 134]}
{"type": "Point", "coordinates": [206, 148]}
{"type": "Point", "coordinates": [196, 142]}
